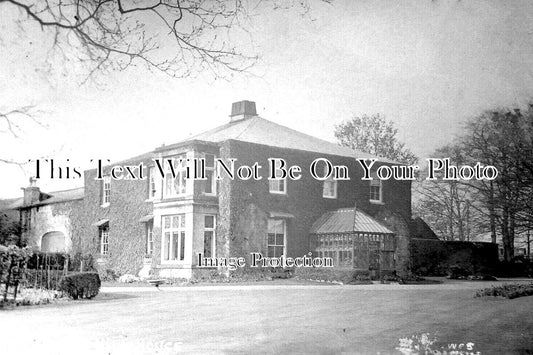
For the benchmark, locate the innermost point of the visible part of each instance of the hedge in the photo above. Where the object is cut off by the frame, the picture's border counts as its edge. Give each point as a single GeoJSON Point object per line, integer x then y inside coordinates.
{"type": "Point", "coordinates": [57, 261]}
{"type": "Point", "coordinates": [440, 258]}
{"type": "Point", "coordinates": [81, 285]}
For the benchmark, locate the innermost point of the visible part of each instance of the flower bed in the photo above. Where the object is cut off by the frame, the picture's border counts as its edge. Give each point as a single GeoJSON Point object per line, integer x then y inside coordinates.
{"type": "Point", "coordinates": [425, 343]}
{"type": "Point", "coordinates": [509, 291]}
{"type": "Point", "coordinates": [344, 276]}
{"type": "Point", "coordinates": [34, 296]}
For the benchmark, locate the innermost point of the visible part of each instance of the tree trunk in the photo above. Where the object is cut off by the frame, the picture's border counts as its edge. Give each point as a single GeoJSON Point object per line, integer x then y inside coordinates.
{"type": "Point", "coordinates": [508, 250]}
{"type": "Point", "coordinates": [459, 215]}
{"type": "Point", "coordinates": [511, 232]}
{"type": "Point", "coordinates": [492, 213]}
{"type": "Point", "coordinates": [450, 214]}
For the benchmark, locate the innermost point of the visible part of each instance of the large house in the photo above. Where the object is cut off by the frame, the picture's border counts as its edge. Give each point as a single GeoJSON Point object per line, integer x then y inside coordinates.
{"type": "Point", "coordinates": [158, 225]}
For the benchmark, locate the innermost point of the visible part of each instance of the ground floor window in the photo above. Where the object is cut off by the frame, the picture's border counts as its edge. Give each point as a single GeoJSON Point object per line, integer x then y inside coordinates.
{"type": "Point", "coordinates": [276, 238]}
{"type": "Point", "coordinates": [104, 239]}
{"type": "Point", "coordinates": [173, 232]}
{"type": "Point", "coordinates": [149, 238]}
{"type": "Point", "coordinates": [209, 236]}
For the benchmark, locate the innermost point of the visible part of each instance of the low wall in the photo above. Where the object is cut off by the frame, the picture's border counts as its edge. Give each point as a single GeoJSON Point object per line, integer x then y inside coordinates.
{"type": "Point", "coordinates": [435, 257]}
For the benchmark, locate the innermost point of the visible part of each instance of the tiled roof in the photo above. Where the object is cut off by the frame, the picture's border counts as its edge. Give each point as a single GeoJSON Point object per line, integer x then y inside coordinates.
{"type": "Point", "coordinates": [342, 221]}
{"type": "Point", "coordinates": [135, 159]}
{"type": "Point", "coordinates": [53, 197]}
{"type": "Point", "coordinates": [8, 204]}
{"type": "Point", "coordinates": [261, 131]}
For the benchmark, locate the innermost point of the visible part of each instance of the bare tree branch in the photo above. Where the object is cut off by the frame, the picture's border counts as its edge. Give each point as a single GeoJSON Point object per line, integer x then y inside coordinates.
{"type": "Point", "coordinates": [177, 37]}
{"type": "Point", "coordinates": [10, 120]}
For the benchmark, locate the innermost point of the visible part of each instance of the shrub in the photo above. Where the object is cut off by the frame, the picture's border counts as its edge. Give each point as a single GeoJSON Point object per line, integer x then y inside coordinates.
{"type": "Point", "coordinates": [12, 267]}
{"type": "Point", "coordinates": [246, 274]}
{"type": "Point", "coordinates": [250, 274]}
{"type": "Point", "coordinates": [108, 275]}
{"type": "Point", "coordinates": [457, 272]}
{"type": "Point", "coordinates": [391, 278]}
{"type": "Point", "coordinates": [282, 273]}
{"type": "Point", "coordinates": [516, 268]}
{"type": "Point", "coordinates": [81, 285]}
{"type": "Point", "coordinates": [128, 278]}
{"type": "Point", "coordinates": [509, 291]}
{"type": "Point", "coordinates": [81, 262]}
{"type": "Point", "coordinates": [333, 275]}
{"type": "Point", "coordinates": [360, 279]}
{"type": "Point", "coordinates": [482, 277]}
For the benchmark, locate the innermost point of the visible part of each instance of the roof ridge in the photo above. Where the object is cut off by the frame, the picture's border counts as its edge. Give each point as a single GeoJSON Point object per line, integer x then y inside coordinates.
{"type": "Point", "coordinates": [251, 122]}
{"type": "Point", "coordinates": [137, 157]}
{"type": "Point", "coordinates": [210, 131]}
{"type": "Point", "coordinates": [74, 188]}
{"type": "Point", "coordinates": [259, 130]}
{"type": "Point", "coordinates": [302, 134]}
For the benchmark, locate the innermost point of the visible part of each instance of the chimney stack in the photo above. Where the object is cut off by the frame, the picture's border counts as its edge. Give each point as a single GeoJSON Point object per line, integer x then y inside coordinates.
{"type": "Point", "coordinates": [32, 193]}
{"type": "Point", "coordinates": [242, 110]}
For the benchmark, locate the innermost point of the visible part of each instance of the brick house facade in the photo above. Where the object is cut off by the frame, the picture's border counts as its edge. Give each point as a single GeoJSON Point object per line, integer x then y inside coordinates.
{"type": "Point", "coordinates": [158, 225]}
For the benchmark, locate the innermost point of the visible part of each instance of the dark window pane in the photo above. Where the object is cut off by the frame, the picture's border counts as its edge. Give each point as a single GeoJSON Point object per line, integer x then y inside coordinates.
{"type": "Point", "coordinates": [167, 246]}
{"type": "Point", "coordinates": [208, 240]}
{"type": "Point", "coordinates": [209, 221]}
{"type": "Point", "coordinates": [209, 160]}
{"type": "Point", "coordinates": [174, 246]}
{"type": "Point", "coordinates": [208, 184]}
{"type": "Point", "coordinates": [182, 249]}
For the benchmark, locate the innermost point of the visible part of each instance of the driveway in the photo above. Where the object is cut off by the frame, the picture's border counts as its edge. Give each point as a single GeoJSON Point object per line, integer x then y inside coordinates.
{"type": "Point", "coordinates": [246, 319]}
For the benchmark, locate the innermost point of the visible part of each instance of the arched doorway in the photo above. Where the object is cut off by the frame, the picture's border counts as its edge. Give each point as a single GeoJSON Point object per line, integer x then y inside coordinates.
{"type": "Point", "coordinates": [53, 242]}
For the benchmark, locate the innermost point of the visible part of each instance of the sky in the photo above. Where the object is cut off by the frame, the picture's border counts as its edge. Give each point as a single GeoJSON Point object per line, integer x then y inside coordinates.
{"type": "Point", "coordinates": [428, 66]}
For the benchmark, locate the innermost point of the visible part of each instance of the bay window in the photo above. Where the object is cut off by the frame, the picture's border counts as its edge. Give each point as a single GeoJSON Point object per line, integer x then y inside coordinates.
{"type": "Point", "coordinates": [173, 232]}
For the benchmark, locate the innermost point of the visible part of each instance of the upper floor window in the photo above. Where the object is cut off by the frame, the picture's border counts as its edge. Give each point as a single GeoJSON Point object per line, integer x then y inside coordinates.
{"type": "Point", "coordinates": [329, 189]}
{"type": "Point", "coordinates": [176, 183]}
{"type": "Point", "coordinates": [174, 237]}
{"type": "Point", "coordinates": [106, 190]}
{"type": "Point", "coordinates": [104, 239]}
{"type": "Point", "coordinates": [376, 189]}
{"type": "Point", "coordinates": [209, 236]}
{"type": "Point", "coordinates": [209, 186]}
{"type": "Point", "coordinates": [278, 185]}
{"type": "Point", "coordinates": [276, 238]}
{"type": "Point", "coordinates": [152, 184]}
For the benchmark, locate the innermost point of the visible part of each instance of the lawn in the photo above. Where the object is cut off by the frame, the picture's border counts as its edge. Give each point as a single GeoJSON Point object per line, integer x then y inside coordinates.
{"type": "Point", "coordinates": [284, 319]}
